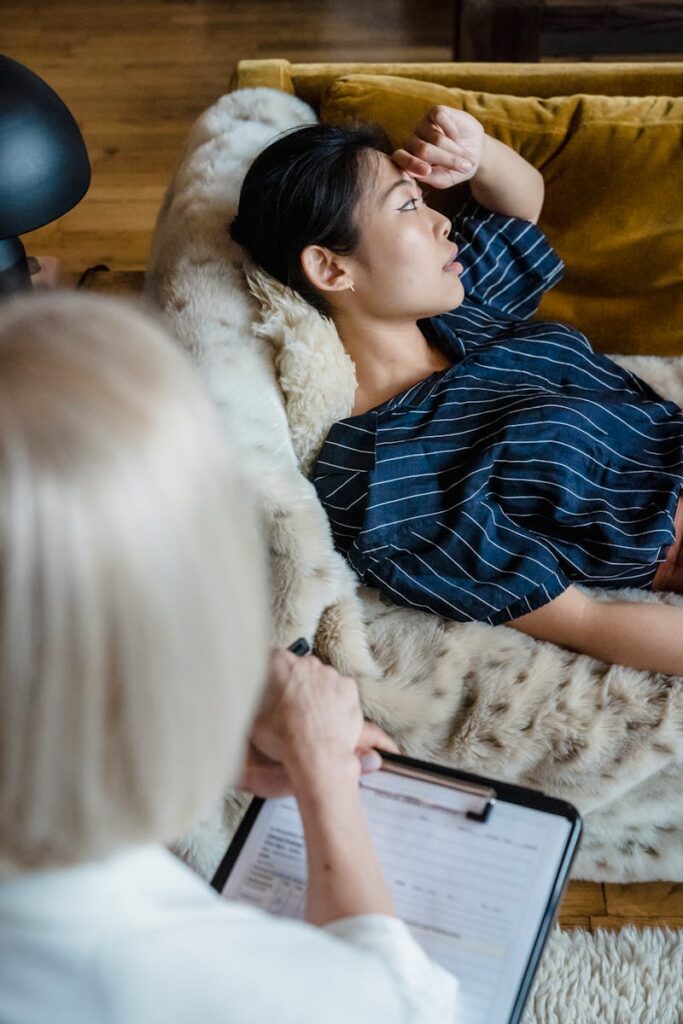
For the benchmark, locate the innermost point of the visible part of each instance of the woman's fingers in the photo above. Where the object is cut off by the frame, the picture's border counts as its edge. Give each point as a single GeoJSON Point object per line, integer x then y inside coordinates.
{"type": "Point", "coordinates": [268, 778]}
{"type": "Point", "coordinates": [372, 736]}
{"type": "Point", "coordinates": [266, 781]}
{"type": "Point", "coordinates": [442, 152]}
{"type": "Point", "coordinates": [412, 164]}
{"type": "Point", "coordinates": [429, 132]}
{"type": "Point", "coordinates": [372, 740]}
{"type": "Point", "coordinates": [440, 177]}
{"type": "Point", "coordinates": [420, 168]}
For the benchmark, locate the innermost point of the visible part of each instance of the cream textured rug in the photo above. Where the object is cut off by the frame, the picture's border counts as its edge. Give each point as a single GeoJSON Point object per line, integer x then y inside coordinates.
{"type": "Point", "coordinates": [483, 698]}
{"type": "Point", "coordinates": [626, 977]}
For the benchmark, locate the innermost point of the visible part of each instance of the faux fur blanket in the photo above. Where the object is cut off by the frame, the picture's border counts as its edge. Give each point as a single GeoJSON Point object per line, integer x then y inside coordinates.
{"type": "Point", "coordinates": [483, 698]}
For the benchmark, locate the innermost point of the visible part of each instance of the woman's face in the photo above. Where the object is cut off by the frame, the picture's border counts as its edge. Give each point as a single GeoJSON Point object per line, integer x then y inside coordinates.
{"type": "Point", "coordinates": [398, 270]}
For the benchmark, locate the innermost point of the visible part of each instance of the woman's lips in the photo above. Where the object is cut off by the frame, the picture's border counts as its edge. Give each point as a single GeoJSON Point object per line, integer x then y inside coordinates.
{"type": "Point", "coordinates": [451, 264]}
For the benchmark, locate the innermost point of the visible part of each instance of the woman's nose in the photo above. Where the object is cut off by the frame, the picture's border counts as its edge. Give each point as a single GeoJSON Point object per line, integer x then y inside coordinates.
{"type": "Point", "coordinates": [445, 225]}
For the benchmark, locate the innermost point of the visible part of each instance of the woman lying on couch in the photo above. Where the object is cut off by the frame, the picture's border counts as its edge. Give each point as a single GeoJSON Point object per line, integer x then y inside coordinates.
{"type": "Point", "coordinates": [491, 461]}
{"type": "Point", "coordinates": [134, 634]}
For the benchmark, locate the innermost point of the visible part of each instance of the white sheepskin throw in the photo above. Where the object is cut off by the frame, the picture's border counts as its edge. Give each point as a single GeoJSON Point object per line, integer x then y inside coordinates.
{"type": "Point", "coordinates": [487, 699]}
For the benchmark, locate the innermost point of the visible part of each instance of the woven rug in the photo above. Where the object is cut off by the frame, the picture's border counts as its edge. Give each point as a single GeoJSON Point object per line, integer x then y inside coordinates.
{"type": "Point", "coordinates": [486, 699]}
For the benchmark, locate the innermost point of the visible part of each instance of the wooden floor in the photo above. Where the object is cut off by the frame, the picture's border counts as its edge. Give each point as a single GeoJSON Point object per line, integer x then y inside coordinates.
{"type": "Point", "coordinates": [135, 75]}
{"type": "Point", "coordinates": [590, 905]}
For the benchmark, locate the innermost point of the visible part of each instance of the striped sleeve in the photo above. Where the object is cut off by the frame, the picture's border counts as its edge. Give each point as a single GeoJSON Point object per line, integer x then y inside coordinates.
{"type": "Point", "coordinates": [508, 263]}
{"type": "Point", "coordinates": [482, 567]}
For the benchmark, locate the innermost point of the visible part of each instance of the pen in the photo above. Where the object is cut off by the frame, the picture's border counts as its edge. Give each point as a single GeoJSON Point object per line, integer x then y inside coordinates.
{"type": "Point", "coordinates": [299, 647]}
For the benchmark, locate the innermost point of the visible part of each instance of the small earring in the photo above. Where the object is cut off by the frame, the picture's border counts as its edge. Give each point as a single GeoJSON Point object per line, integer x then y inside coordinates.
{"type": "Point", "coordinates": [351, 287]}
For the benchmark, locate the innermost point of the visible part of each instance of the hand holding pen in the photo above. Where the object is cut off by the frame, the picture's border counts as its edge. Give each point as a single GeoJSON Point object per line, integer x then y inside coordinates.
{"type": "Point", "coordinates": [309, 715]}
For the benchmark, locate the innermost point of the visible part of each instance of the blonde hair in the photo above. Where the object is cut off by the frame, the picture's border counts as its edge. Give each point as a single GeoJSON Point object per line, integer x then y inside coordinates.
{"type": "Point", "coordinates": [133, 617]}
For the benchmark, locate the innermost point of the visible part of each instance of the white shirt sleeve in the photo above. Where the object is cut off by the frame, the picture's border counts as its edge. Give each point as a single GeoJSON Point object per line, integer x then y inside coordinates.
{"type": "Point", "coordinates": [431, 988]}
{"type": "Point", "coordinates": [139, 939]}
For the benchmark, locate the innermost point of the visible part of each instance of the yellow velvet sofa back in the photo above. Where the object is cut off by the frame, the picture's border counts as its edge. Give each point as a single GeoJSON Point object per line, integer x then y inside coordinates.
{"type": "Point", "coordinates": [613, 169]}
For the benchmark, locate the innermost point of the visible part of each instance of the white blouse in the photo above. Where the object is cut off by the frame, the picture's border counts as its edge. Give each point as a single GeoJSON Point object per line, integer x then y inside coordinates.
{"type": "Point", "coordinates": [138, 939]}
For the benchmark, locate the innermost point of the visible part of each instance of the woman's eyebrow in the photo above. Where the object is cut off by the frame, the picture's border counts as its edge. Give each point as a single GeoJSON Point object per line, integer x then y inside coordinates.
{"type": "Point", "coordinates": [397, 184]}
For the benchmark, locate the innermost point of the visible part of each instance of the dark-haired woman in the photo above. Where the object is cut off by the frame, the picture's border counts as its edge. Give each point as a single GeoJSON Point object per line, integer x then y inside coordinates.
{"type": "Point", "coordinates": [491, 462]}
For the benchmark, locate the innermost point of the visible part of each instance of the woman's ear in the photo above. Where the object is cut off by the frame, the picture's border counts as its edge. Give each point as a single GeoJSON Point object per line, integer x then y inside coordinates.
{"type": "Point", "coordinates": [325, 269]}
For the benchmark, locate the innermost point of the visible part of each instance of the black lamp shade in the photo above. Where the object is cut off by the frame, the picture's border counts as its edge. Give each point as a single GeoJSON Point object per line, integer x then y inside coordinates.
{"type": "Point", "coordinates": [44, 166]}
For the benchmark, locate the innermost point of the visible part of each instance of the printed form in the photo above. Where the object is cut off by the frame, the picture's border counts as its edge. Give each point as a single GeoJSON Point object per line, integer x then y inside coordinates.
{"type": "Point", "coordinates": [473, 894]}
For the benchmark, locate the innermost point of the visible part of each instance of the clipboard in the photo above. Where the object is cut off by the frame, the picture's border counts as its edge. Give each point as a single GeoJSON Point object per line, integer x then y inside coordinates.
{"type": "Point", "coordinates": [473, 813]}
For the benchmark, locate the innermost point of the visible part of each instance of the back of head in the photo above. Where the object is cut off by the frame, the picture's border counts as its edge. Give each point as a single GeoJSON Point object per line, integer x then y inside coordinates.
{"type": "Point", "coordinates": [304, 189]}
{"type": "Point", "coordinates": [132, 585]}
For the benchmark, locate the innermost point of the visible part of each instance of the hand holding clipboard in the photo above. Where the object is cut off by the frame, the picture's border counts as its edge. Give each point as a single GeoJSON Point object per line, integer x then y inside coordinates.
{"type": "Point", "coordinates": [476, 868]}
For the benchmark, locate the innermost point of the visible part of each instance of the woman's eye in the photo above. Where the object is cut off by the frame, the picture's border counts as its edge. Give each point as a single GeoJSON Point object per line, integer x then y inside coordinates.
{"type": "Point", "coordinates": [420, 199]}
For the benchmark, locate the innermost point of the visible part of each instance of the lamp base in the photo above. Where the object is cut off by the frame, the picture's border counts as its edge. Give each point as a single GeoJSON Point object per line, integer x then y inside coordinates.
{"type": "Point", "coordinates": [14, 272]}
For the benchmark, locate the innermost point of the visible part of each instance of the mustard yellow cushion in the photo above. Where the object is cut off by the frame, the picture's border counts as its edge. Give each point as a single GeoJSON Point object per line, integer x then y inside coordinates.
{"type": "Point", "coordinates": [613, 171]}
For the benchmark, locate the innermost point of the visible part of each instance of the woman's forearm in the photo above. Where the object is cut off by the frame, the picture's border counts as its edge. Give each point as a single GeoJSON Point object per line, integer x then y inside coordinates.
{"type": "Point", "coordinates": [507, 183]}
{"type": "Point", "coordinates": [639, 635]}
{"type": "Point", "coordinates": [344, 874]}
{"type": "Point", "coordinates": [643, 636]}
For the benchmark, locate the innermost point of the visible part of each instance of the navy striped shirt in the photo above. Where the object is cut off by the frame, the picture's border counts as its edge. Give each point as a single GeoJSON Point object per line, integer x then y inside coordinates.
{"type": "Point", "coordinates": [485, 490]}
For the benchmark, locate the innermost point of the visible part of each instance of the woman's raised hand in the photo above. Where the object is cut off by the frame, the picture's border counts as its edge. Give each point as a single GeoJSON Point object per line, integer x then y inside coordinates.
{"type": "Point", "coordinates": [445, 148]}
{"type": "Point", "coordinates": [309, 714]}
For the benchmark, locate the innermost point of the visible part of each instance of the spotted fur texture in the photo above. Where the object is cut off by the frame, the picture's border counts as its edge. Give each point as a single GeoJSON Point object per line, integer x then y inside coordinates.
{"type": "Point", "coordinates": [483, 698]}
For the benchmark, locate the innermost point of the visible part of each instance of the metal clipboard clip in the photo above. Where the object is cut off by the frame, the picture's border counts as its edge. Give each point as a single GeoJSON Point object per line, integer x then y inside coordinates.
{"type": "Point", "coordinates": [484, 795]}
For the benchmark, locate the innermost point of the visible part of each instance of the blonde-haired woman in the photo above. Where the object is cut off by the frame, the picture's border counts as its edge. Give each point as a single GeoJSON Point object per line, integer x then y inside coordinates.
{"type": "Point", "coordinates": [133, 654]}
